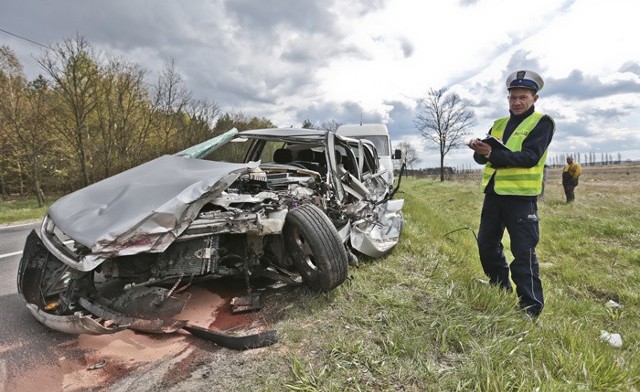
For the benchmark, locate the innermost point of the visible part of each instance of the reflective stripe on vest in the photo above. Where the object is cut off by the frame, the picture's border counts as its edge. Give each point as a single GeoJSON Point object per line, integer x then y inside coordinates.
{"type": "Point", "coordinates": [517, 181]}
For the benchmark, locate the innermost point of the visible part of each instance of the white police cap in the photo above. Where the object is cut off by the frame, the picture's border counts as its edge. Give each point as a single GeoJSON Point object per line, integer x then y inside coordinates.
{"type": "Point", "coordinates": [525, 79]}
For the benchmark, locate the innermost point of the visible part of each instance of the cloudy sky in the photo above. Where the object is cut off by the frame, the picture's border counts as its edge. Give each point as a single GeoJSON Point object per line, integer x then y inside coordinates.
{"type": "Point", "coordinates": [347, 60]}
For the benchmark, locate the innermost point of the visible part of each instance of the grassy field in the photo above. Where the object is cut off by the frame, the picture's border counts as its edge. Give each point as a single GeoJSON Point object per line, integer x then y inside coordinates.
{"type": "Point", "coordinates": [19, 210]}
{"type": "Point", "coordinates": [421, 319]}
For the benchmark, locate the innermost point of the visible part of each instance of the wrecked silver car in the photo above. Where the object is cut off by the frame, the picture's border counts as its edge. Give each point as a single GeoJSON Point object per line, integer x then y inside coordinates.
{"type": "Point", "coordinates": [290, 204]}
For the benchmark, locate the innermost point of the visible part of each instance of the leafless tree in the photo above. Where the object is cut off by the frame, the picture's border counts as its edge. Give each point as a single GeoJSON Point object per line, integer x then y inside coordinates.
{"type": "Point", "coordinates": [170, 100]}
{"type": "Point", "coordinates": [307, 124]}
{"type": "Point", "coordinates": [409, 153]}
{"type": "Point", "coordinates": [443, 120]}
{"type": "Point", "coordinates": [331, 125]}
{"type": "Point", "coordinates": [72, 65]}
{"type": "Point", "coordinates": [123, 117]}
{"type": "Point", "coordinates": [23, 111]}
{"type": "Point", "coordinates": [11, 76]}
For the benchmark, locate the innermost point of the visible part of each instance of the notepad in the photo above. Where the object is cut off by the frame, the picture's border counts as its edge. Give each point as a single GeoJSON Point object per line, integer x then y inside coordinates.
{"type": "Point", "coordinates": [495, 143]}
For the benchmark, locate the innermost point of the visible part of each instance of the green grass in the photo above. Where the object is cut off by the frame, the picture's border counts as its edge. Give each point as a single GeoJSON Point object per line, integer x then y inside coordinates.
{"type": "Point", "coordinates": [12, 211]}
{"type": "Point", "coordinates": [420, 319]}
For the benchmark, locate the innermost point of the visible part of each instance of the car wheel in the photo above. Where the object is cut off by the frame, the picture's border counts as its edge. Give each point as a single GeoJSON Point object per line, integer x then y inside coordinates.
{"type": "Point", "coordinates": [315, 247]}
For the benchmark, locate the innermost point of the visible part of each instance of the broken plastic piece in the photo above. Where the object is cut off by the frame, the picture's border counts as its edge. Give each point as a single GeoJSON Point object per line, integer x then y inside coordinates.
{"type": "Point", "coordinates": [613, 304]}
{"type": "Point", "coordinates": [261, 339]}
{"type": "Point", "coordinates": [614, 339]}
{"type": "Point", "coordinates": [246, 303]}
{"type": "Point", "coordinates": [98, 365]}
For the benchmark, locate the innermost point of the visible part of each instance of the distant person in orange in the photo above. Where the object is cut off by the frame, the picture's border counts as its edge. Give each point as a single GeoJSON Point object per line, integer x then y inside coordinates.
{"type": "Point", "coordinates": [570, 175]}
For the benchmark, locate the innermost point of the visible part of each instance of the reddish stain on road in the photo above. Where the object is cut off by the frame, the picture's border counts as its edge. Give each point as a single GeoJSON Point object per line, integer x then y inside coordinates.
{"type": "Point", "coordinates": [127, 351]}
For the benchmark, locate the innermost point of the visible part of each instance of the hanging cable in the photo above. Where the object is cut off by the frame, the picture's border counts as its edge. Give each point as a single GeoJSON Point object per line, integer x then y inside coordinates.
{"type": "Point", "coordinates": [23, 38]}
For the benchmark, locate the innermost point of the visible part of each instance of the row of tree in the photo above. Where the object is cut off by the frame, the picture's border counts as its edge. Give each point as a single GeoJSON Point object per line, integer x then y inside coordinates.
{"type": "Point", "coordinates": [91, 115]}
{"type": "Point", "coordinates": [586, 159]}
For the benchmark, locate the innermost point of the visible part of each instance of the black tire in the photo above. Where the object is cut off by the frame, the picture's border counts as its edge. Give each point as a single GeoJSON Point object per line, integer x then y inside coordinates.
{"type": "Point", "coordinates": [315, 248]}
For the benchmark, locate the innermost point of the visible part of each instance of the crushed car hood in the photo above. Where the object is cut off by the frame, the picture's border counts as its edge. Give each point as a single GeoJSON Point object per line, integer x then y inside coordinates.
{"type": "Point", "coordinates": [144, 208]}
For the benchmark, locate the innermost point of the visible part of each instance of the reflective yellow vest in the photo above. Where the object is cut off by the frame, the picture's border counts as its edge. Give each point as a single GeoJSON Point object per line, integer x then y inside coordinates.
{"type": "Point", "coordinates": [516, 181]}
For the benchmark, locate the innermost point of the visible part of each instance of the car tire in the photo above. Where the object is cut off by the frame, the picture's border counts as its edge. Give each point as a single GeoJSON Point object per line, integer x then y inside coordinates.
{"type": "Point", "coordinates": [315, 247]}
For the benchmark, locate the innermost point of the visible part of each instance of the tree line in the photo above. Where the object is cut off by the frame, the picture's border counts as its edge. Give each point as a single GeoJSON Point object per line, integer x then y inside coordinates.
{"type": "Point", "coordinates": [586, 159]}
{"type": "Point", "coordinates": [89, 116]}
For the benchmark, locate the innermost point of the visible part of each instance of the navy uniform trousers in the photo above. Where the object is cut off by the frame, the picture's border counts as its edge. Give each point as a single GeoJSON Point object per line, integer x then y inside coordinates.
{"type": "Point", "coordinates": [520, 217]}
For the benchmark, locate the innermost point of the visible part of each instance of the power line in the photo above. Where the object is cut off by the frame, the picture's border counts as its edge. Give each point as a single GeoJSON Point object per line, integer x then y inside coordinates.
{"type": "Point", "coordinates": [23, 38]}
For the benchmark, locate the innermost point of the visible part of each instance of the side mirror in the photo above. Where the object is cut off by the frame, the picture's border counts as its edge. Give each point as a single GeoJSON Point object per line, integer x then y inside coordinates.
{"type": "Point", "coordinates": [397, 154]}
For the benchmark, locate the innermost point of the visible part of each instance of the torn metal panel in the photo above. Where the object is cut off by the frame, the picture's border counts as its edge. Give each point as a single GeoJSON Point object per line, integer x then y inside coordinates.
{"type": "Point", "coordinates": [145, 208]}
{"type": "Point", "coordinates": [76, 323]}
{"type": "Point", "coordinates": [149, 302]}
{"type": "Point", "coordinates": [246, 303]}
{"type": "Point", "coordinates": [375, 238]}
{"type": "Point", "coordinates": [135, 323]}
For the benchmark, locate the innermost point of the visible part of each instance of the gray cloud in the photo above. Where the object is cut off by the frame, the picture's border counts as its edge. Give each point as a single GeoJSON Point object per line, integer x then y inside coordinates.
{"type": "Point", "coordinates": [235, 53]}
{"type": "Point", "coordinates": [407, 47]}
{"type": "Point", "coordinates": [580, 86]}
{"type": "Point", "coordinates": [521, 60]}
{"type": "Point", "coordinates": [564, 129]}
{"type": "Point", "coordinates": [401, 120]}
{"type": "Point", "coordinates": [611, 114]}
{"type": "Point", "coordinates": [343, 113]}
{"type": "Point", "coordinates": [264, 16]}
{"type": "Point", "coordinates": [567, 134]}
{"type": "Point", "coordinates": [632, 67]}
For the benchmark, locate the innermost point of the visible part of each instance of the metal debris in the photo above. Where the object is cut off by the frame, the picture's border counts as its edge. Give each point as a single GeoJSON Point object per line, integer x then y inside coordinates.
{"type": "Point", "coordinates": [246, 303]}
{"type": "Point", "coordinates": [98, 365]}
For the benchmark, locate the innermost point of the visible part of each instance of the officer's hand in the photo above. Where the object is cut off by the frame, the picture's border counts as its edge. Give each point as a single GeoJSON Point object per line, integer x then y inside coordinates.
{"type": "Point", "coordinates": [480, 147]}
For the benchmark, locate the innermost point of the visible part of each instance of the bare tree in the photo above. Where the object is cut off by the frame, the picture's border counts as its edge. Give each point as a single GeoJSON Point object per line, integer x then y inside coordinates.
{"type": "Point", "coordinates": [443, 120]}
{"type": "Point", "coordinates": [307, 124]}
{"type": "Point", "coordinates": [197, 122]}
{"type": "Point", "coordinates": [73, 68]}
{"type": "Point", "coordinates": [171, 98]}
{"type": "Point", "coordinates": [409, 153]}
{"type": "Point", "coordinates": [331, 125]}
{"type": "Point", "coordinates": [23, 111]}
{"type": "Point", "coordinates": [122, 116]}
{"type": "Point", "coordinates": [11, 75]}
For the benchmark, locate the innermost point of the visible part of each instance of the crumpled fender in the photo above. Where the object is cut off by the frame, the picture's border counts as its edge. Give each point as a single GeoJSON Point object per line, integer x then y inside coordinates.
{"type": "Point", "coordinates": [376, 238]}
{"type": "Point", "coordinates": [77, 323]}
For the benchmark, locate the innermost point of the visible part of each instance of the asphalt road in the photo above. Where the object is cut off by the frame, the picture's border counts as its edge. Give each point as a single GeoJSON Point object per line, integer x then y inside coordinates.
{"type": "Point", "coordinates": [32, 356]}
{"type": "Point", "coordinates": [25, 343]}
{"type": "Point", "coordinates": [11, 244]}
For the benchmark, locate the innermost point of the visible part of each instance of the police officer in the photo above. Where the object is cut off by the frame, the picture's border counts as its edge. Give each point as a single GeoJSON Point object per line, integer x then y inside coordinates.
{"type": "Point", "coordinates": [512, 181]}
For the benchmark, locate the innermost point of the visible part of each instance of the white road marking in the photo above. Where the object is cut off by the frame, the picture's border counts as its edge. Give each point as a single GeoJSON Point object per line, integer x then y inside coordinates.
{"type": "Point", "coordinates": [20, 225]}
{"type": "Point", "coordinates": [20, 252]}
{"type": "Point", "coordinates": [10, 254]}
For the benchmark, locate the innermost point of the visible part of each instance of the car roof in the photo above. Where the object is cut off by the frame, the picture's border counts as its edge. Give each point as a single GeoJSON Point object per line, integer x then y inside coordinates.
{"type": "Point", "coordinates": [311, 134]}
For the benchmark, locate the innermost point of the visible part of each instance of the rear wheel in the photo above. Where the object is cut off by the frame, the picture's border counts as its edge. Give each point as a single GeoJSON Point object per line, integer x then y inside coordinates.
{"type": "Point", "coordinates": [315, 247]}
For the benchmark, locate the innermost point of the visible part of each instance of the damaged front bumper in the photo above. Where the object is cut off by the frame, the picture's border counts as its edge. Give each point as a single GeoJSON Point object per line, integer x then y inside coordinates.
{"type": "Point", "coordinates": [101, 316]}
{"type": "Point", "coordinates": [77, 323]}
